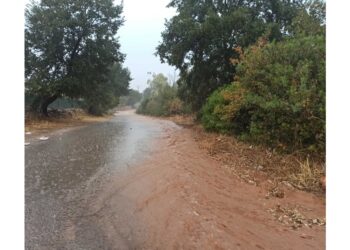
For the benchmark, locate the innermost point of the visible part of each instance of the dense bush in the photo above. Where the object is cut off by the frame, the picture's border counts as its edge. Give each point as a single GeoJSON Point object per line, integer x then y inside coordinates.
{"type": "Point", "coordinates": [220, 109]}
{"type": "Point", "coordinates": [279, 98]}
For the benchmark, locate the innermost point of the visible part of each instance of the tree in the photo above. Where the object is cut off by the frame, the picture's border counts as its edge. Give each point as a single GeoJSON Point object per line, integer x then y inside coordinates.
{"type": "Point", "coordinates": [106, 96]}
{"type": "Point", "coordinates": [200, 40]}
{"type": "Point", "coordinates": [159, 98]}
{"type": "Point", "coordinates": [310, 20]}
{"type": "Point", "coordinates": [70, 48]}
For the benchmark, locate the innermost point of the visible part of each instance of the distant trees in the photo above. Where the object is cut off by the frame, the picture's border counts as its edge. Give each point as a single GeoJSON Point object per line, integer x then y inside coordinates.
{"type": "Point", "coordinates": [160, 98]}
{"type": "Point", "coordinates": [131, 99]}
{"type": "Point", "coordinates": [71, 50]}
{"type": "Point", "coordinates": [200, 40]}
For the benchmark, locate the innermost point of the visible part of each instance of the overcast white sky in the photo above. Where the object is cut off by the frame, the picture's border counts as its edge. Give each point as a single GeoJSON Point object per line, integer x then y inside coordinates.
{"type": "Point", "coordinates": [140, 35]}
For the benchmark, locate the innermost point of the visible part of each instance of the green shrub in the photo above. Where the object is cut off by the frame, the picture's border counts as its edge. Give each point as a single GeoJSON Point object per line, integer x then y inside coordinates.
{"type": "Point", "coordinates": [285, 85]}
{"type": "Point", "coordinates": [222, 107]}
{"type": "Point", "coordinates": [278, 97]}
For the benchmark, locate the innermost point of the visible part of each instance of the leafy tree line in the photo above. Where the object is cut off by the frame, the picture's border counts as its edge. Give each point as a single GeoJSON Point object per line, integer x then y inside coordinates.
{"type": "Point", "coordinates": [71, 50]}
{"type": "Point", "coordinates": [160, 98]}
{"type": "Point", "coordinates": [252, 68]}
{"type": "Point", "coordinates": [200, 39]}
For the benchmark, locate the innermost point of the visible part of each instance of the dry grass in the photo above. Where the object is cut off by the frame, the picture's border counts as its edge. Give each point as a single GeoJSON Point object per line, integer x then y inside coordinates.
{"type": "Point", "coordinates": [307, 176]}
{"type": "Point", "coordinates": [255, 163]}
{"type": "Point", "coordinates": [59, 119]}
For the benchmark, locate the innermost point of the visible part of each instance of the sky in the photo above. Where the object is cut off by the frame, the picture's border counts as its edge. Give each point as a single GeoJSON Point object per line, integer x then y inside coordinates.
{"type": "Point", "coordinates": [139, 37]}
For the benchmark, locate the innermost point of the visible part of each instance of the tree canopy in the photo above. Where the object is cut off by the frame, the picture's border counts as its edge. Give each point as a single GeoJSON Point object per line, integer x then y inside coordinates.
{"type": "Point", "coordinates": [201, 39]}
{"type": "Point", "coordinates": [71, 49]}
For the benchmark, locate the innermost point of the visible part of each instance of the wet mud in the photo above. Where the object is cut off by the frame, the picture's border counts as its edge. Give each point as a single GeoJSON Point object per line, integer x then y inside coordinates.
{"type": "Point", "coordinates": [136, 182]}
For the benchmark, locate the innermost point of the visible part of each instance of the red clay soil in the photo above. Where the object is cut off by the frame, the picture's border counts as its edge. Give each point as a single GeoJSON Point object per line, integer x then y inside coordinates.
{"type": "Point", "coordinates": [186, 200]}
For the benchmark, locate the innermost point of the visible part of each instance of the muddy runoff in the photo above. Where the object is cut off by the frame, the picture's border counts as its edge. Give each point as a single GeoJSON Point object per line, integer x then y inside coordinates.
{"type": "Point", "coordinates": [137, 182]}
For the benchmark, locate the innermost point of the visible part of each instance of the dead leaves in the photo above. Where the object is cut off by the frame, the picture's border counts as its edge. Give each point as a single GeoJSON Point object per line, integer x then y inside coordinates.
{"type": "Point", "coordinates": [292, 217]}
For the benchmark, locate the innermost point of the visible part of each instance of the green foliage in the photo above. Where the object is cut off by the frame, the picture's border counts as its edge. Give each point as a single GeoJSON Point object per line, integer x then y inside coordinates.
{"type": "Point", "coordinates": [160, 99]}
{"type": "Point", "coordinates": [224, 110]}
{"type": "Point", "coordinates": [70, 47]}
{"type": "Point", "coordinates": [286, 88]}
{"type": "Point", "coordinates": [310, 20]}
{"type": "Point", "coordinates": [199, 40]}
{"type": "Point", "coordinates": [278, 98]}
{"type": "Point", "coordinates": [278, 92]}
{"type": "Point", "coordinates": [106, 96]}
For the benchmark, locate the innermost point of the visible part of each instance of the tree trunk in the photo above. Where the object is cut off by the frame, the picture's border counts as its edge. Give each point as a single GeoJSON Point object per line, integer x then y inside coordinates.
{"type": "Point", "coordinates": [35, 105]}
{"type": "Point", "coordinates": [45, 103]}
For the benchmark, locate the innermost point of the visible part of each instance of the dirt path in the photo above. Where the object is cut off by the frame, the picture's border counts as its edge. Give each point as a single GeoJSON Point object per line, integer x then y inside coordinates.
{"type": "Point", "coordinates": [180, 198]}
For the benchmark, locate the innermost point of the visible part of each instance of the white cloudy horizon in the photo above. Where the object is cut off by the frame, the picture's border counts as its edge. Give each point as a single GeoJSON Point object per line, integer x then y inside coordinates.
{"type": "Point", "coordinates": [139, 37]}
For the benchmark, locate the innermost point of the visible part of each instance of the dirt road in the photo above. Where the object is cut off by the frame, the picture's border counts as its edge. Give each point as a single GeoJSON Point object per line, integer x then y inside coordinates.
{"type": "Point", "coordinates": [143, 183]}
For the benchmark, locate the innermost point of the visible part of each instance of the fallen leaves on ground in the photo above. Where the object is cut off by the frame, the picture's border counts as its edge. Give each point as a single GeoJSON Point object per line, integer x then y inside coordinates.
{"type": "Point", "coordinates": [292, 217]}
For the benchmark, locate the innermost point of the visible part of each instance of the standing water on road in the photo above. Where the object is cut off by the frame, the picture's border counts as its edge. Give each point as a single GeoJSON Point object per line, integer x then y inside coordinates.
{"type": "Point", "coordinates": [60, 172]}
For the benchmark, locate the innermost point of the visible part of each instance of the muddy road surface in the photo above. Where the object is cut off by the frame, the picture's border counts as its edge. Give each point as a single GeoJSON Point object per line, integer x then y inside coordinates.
{"type": "Point", "coordinates": [64, 173]}
{"type": "Point", "coordinates": [135, 182]}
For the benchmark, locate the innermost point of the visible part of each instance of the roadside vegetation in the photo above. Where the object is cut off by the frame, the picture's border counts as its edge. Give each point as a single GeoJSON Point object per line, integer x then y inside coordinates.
{"type": "Point", "coordinates": [278, 97]}
{"type": "Point", "coordinates": [254, 71]}
{"type": "Point", "coordinates": [160, 98]}
{"type": "Point", "coordinates": [251, 69]}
